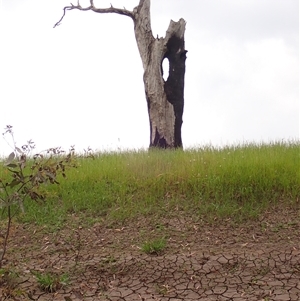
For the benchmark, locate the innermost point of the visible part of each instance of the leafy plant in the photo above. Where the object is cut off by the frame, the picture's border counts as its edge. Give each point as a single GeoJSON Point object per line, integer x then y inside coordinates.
{"type": "Point", "coordinates": [25, 177]}
{"type": "Point", "coordinates": [49, 282]}
{"type": "Point", "coordinates": [155, 246]}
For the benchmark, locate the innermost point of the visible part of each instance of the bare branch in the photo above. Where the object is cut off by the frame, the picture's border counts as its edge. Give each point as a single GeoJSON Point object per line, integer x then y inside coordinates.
{"type": "Point", "coordinates": [92, 7]}
{"type": "Point", "coordinates": [65, 8]}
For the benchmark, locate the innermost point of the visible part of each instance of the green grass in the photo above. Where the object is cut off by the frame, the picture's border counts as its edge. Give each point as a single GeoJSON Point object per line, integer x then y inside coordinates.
{"type": "Point", "coordinates": [155, 246]}
{"type": "Point", "coordinates": [49, 282]}
{"type": "Point", "coordinates": [237, 182]}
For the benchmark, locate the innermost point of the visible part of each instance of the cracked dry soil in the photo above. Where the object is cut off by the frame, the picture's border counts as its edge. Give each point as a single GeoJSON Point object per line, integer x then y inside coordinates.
{"type": "Point", "coordinates": [221, 260]}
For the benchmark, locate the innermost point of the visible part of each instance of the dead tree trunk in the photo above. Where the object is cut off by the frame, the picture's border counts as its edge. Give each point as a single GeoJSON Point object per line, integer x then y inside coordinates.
{"type": "Point", "coordinates": [165, 99]}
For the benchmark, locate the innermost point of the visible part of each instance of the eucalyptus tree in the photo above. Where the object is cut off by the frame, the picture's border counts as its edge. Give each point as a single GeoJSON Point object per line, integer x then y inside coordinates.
{"type": "Point", "coordinates": [165, 98]}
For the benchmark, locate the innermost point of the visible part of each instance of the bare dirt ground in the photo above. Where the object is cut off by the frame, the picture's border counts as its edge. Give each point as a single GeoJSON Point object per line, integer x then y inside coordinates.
{"type": "Point", "coordinates": [256, 260]}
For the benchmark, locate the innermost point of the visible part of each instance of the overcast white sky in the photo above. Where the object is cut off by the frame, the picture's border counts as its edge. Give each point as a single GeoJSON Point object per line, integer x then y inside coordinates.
{"type": "Point", "coordinates": [81, 83]}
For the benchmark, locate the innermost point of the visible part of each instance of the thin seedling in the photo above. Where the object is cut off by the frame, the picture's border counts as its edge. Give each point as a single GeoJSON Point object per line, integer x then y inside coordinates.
{"type": "Point", "coordinates": [25, 177]}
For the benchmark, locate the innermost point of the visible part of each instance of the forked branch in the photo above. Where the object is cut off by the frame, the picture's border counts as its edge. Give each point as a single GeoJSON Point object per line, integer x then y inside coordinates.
{"type": "Point", "coordinates": [92, 7]}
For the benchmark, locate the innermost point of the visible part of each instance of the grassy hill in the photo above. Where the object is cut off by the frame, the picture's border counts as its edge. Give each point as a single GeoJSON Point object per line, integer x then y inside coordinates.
{"type": "Point", "coordinates": [233, 182]}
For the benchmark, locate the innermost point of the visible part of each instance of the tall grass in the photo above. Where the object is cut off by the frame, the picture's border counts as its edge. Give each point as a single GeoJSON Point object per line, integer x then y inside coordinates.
{"type": "Point", "coordinates": [237, 182]}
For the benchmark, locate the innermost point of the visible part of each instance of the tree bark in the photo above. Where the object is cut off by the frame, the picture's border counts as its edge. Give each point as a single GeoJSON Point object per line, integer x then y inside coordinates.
{"type": "Point", "coordinates": [165, 99]}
